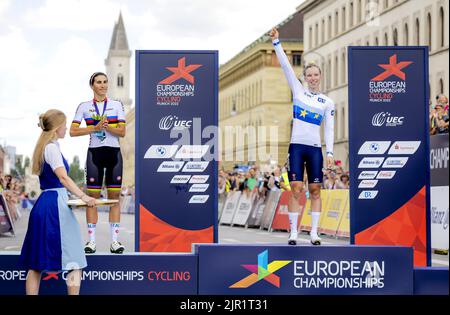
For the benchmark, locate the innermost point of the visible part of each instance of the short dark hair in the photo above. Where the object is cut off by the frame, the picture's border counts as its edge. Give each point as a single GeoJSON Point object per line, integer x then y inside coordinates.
{"type": "Point", "coordinates": [94, 75]}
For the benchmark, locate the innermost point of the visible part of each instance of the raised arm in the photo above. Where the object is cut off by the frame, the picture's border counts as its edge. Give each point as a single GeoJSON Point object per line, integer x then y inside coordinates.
{"type": "Point", "coordinates": [294, 83]}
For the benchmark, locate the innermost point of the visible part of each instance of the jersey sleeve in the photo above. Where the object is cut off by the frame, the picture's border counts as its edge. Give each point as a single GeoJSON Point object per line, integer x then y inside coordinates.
{"type": "Point", "coordinates": [329, 127]}
{"type": "Point", "coordinates": [52, 156]}
{"type": "Point", "coordinates": [78, 116]}
{"type": "Point", "coordinates": [121, 115]}
{"type": "Point", "coordinates": [295, 85]}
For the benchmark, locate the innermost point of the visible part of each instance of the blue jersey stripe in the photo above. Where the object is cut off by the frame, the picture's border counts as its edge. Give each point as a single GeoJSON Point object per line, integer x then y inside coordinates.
{"type": "Point", "coordinates": [309, 108]}
{"type": "Point", "coordinates": [307, 116]}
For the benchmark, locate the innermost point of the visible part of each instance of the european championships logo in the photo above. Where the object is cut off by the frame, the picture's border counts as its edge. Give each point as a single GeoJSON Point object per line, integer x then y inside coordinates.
{"type": "Point", "coordinates": [383, 90]}
{"type": "Point", "coordinates": [262, 271]}
{"type": "Point", "coordinates": [169, 92]}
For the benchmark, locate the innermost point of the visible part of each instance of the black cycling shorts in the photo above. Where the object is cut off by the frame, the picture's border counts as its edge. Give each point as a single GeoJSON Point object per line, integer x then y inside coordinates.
{"type": "Point", "coordinates": [104, 161]}
{"type": "Point", "coordinates": [301, 155]}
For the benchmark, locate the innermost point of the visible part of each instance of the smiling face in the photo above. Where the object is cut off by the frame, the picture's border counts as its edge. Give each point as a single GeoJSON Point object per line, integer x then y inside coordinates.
{"type": "Point", "coordinates": [312, 77]}
{"type": "Point", "coordinates": [100, 86]}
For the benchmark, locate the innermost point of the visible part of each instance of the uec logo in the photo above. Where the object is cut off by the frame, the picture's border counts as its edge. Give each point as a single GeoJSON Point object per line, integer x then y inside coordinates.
{"type": "Point", "coordinates": [169, 122]}
{"type": "Point", "coordinates": [385, 118]}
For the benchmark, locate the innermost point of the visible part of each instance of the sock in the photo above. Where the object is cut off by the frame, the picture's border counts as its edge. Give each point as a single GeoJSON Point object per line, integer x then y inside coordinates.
{"type": "Point", "coordinates": [91, 231]}
{"type": "Point", "coordinates": [315, 216]}
{"type": "Point", "coordinates": [293, 219]}
{"type": "Point", "coordinates": [114, 230]}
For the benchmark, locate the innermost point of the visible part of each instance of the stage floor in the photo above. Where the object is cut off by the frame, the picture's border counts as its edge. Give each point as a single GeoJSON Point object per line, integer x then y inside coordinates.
{"type": "Point", "coordinates": [227, 235]}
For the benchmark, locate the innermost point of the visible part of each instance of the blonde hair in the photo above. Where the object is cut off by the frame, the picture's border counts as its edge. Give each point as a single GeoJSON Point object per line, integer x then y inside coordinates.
{"type": "Point", "coordinates": [311, 64]}
{"type": "Point", "coordinates": [49, 122]}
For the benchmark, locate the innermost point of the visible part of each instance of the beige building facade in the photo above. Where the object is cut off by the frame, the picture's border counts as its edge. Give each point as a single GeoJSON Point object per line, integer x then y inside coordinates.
{"type": "Point", "coordinates": [331, 26]}
{"type": "Point", "coordinates": [254, 95]}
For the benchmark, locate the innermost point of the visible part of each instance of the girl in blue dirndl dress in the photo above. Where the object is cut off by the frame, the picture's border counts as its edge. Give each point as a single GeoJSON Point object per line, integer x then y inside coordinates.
{"type": "Point", "coordinates": [53, 239]}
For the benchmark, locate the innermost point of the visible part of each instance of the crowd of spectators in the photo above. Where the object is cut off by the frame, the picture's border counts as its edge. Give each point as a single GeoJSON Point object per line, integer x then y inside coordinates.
{"type": "Point", "coordinates": [12, 190]}
{"type": "Point", "coordinates": [254, 178]}
{"type": "Point", "coordinates": [439, 115]}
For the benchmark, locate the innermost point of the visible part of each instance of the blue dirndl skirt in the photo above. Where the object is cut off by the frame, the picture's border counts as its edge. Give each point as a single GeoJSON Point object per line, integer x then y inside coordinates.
{"type": "Point", "coordinates": [53, 239]}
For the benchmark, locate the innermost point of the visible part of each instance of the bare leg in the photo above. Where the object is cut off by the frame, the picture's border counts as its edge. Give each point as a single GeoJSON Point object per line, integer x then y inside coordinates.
{"type": "Point", "coordinates": [314, 196]}
{"type": "Point", "coordinates": [32, 283]}
{"type": "Point", "coordinates": [294, 210]}
{"type": "Point", "coordinates": [74, 282]}
{"type": "Point", "coordinates": [316, 208]}
{"type": "Point", "coordinates": [114, 212]}
{"type": "Point", "coordinates": [91, 212]}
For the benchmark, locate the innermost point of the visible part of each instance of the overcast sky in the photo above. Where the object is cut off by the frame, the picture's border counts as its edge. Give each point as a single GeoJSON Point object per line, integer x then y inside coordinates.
{"type": "Point", "coordinates": [49, 48]}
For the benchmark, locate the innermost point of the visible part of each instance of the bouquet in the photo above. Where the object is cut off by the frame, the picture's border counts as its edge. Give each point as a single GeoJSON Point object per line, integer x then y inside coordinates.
{"type": "Point", "coordinates": [99, 134]}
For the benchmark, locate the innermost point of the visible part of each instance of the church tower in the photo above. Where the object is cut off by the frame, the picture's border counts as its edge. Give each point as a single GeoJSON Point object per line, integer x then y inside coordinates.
{"type": "Point", "coordinates": [118, 66]}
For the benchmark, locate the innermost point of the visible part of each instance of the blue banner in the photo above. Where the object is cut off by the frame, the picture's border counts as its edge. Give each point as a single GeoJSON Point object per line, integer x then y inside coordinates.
{"type": "Point", "coordinates": [288, 270]}
{"type": "Point", "coordinates": [388, 148]}
{"type": "Point", "coordinates": [176, 147]}
{"type": "Point", "coordinates": [112, 275]}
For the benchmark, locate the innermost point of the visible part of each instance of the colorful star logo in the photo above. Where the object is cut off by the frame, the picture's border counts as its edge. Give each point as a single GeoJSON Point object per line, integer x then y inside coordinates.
{"type": "Point", "coordinates": [181, 72]}
{"type": "Point", "coordinates": [393, 68]}
{"type": "Point", "coordinates": [262, 271]}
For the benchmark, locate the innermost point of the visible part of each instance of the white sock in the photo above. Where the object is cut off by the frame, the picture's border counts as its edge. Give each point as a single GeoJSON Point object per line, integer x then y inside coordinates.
{"type": "Point", "coordinates": [91, 231]}
{"type": "Point", "coordinates": [114, 230]}
{"type": "Point", "coordinates": [293, 219]}
{"type": "Point", "coordinates": [315, 216]}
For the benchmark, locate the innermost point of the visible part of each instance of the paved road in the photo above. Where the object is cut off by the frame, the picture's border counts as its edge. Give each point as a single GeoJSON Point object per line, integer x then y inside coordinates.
{"type": "Point", "coordinates": [227, 235]}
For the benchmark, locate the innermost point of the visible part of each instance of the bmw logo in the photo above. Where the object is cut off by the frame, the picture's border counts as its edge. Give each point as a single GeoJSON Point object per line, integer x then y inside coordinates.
{"type": "Point", "coordinates": [161, 151]}
{"type": "Point", "coordinates": [374, 147]}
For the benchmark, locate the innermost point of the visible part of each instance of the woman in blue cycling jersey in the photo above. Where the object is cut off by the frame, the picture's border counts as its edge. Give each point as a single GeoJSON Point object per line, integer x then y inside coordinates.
{"type": "Point", "coordinates": [310, 108]}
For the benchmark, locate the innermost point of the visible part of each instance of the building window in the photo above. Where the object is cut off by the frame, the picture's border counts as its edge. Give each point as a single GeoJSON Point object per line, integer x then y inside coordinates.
{"type": "Point", "coordinates": [343, 69]}
{"type": "Point", "coordinates": [322, 32]}
{"type": "Point", "coordinates": [406, 35]}
{"type": "Point", "coordinates": [296, 59]}
{"type": "Point", "coordinates": [316, 35]}
{"type": "Point", "coordinates": [386, 4]}
{"type": "Point", "coordinates": [441, 86]}
{"type": "Point", "coordinates": [417, 32]}
{"type": "Point", "coordinates": [376, 41]}
{"type": "Point", "coordinates": [336, 23]}
{"type": "Point", "coordinates": [386, 40]}
{"type": "Point", "coordinates": [329, 35]}
{"type": "Point", "coordinates": [343, 20]}
{"type": "Point", "coordinates": [358, 11]}
{"type": "Point", "coordinates": [395, 37]}
{"type": "Point", "coordinates": [329, 74]}
{"type": "Point", "coordinates": [428, 31]}
{"type": "Point", "coordinates": [351, 14]}
{"type": "Point", "coordinates": [343, 122]}
{"type": "Point", "coordinates": [310, 37]}
{"type": "Point", "coordinates": [441, 26]}
{"type": "Point", "coordinates": [336, 71]}
{"type": "Point", "coordinates": [120, 80]}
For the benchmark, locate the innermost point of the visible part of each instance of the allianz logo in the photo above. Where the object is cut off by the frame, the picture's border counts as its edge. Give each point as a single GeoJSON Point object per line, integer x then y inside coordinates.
{"type": "Point", "coordinates": [371, 162]}
{"type": "Point", "coordinates": [171, 121]}
{"type": "Point", "coordinates": [386, 119]}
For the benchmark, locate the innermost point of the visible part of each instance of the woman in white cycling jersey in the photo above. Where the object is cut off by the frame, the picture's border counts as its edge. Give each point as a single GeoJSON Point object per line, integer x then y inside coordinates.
{"type": "Point", "coordinates": [105, 123]}
{"type": "Point", "coordinates": [310, 107]}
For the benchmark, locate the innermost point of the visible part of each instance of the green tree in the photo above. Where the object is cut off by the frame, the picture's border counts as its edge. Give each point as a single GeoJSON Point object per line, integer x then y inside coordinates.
{"type": "Point", "coordinates": [76, 172]}
{"type": "Point", "coordinates": [19, 170]}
